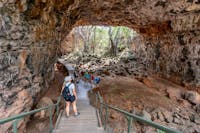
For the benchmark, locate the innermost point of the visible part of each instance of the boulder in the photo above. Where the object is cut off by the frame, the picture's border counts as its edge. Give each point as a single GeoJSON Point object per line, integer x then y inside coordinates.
{"type": "Point", "coordinates": [197, 129]}
{"type": "Point", "coordinates": [146, 115]}
{"type": "Point", "coordinates": [189, 130]}
{"type": "Point", "coordinates": [160, 116]}
{"type": "Point", "coordinates": [148, 129]}
{"type": "Point", "coordinates": [45, 101]}
{"type": "Point", "coordinates": [197, 108]}
{"type": "Point", "coordinates": [107, 62]}
{"type": "Point", "coordinates": [42, 126]}
{"type": "Point", "coordinates": [184, 115]}
{"type": "Point", "coordinates": [178, 121]}
{"type": "Point", "coordinates": [173, 94]}
{"type": "Point", "coordinates": [192, 117]}
{"type": "Point", "coordinates": [192, 97]}
{"type": "Point", "coordinates": [114, 115]}
{"type": "Point", "coordinates": [167, 116]}
{"type": "Point", "coordinates": [184, 103]}
{"type": "Point", "coordinates": [197, 119]}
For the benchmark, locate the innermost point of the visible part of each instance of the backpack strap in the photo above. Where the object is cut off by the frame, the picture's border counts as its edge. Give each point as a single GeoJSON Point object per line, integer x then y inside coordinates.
{"type": "Point", "coordinates": [68, 85]}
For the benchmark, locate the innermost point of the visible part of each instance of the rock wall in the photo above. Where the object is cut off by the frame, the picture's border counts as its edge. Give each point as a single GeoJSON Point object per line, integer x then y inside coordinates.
{"type": "Point", "coordinates": [31, 32]}
{"type": "Point", "coordinates": [175, 56]}
{"type": "Point", "coordinates": [26, 59]}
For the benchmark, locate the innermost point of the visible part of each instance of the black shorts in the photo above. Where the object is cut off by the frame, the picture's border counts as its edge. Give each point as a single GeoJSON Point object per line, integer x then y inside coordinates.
{"type": "Point", "coordinates": [70, 99]}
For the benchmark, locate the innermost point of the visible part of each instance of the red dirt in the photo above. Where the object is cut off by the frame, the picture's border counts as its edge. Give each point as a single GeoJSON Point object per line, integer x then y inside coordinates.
{"type": "Point", "coordinates": [131, 93]}
{"type": "Point", "coordinates": [147, 94]}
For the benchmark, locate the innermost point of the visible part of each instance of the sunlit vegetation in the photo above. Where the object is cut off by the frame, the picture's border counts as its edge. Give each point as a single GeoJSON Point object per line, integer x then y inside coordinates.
{"type": "Point", "coordinates": [102, 40]}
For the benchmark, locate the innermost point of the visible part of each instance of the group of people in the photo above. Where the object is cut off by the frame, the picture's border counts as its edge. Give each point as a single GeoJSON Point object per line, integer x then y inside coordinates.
{"type": "Point", "coordinates": [69, 90]}
{"type": "Point", "coordinates": [91, 78]}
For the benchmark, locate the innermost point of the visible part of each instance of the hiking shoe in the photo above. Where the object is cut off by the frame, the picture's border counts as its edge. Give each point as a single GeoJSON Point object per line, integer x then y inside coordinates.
{"type": "Point", "coordinates": [67, 116]}
{"type": "Point", "coordinates": [77, 114]}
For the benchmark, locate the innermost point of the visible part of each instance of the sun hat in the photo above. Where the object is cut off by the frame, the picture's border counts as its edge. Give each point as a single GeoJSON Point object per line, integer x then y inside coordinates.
{"type": "Point", "coordinates": [68, 78]}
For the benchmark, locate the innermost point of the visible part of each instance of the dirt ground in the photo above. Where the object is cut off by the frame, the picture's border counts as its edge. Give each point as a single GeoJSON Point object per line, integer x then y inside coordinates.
{"type": "Point", "coordinates": [127, 93]}
{"type": "Point", "coordinates": [147, 94]}
{"type": "Point", "coordinates": [132, 93]}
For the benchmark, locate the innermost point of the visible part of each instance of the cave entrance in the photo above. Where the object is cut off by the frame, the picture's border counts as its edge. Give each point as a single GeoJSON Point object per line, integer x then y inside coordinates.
{"type": "Point", "coordinates": [31, 32]}
{"type": "Point", "coordinates": [118, 57]}
{"type": "Point", "coordinates": [99, 49]}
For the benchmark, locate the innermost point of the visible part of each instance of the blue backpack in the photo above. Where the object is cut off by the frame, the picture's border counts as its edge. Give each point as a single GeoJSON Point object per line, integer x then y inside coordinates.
{"type": "Point", "coordinates": [97, 80]}
{"type": "Point", "coordinates": [65, 93]}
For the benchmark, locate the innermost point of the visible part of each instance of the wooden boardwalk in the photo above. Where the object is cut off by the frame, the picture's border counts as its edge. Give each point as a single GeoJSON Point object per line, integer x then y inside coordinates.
{"type": "Point", "coordinates": [86, 122]}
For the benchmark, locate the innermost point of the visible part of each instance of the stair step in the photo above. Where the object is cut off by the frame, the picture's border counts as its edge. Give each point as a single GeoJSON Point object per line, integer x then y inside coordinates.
{"type": "Point", "coordinates": [80, 130]}
{"type": "Point", "coordinates": [79, 119]}
{"type": "Point", "coordinates": [65, 131]}
{"type": "Point", "coordinates": [86, 122]}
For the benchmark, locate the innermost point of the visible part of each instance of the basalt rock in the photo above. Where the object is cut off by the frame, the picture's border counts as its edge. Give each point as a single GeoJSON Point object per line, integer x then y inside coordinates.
{"type": "Point", "coordinates": [31, 32]}
{"type": "Point", "coordinates": [45, 101]}
{"type": "Point", "coordinates": [173, 56]}
{"type": "Point", "coordinates": [26, 64]}
{"type": "Point", "coordinates": [192, 97]}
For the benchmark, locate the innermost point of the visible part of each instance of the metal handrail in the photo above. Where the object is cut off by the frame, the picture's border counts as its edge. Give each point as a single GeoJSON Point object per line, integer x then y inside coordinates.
{"type": "Point", "coordinates": [16, 118]}
{"type": "Point", "coordinates": [130, 117]}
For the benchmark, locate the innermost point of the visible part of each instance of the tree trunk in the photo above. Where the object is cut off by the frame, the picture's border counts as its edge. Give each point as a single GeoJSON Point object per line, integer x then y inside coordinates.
{"type": "Point", "coordinates": [114, 40]}
{"type": "Point", "coordinates": [112, 46]}
{"type": "Point", "coordinates": [85, 48]}
{"type": "Point", "coordinates": [94, 40]}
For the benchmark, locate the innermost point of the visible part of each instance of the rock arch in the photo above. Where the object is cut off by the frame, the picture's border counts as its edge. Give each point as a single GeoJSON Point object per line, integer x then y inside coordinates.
{"type": "Point", "coordinates": [32, 30]}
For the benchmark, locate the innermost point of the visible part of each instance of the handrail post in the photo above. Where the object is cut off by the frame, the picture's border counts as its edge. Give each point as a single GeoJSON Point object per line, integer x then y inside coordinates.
{"type": "Point", "coordinates": [57, 106]}
{"type": "Point", "coordinates": [64, 103]}
{"type": "Point", "coordinates": [101, 110]}
{"type": "Point", "coordinates": [101, 106]}
{"type": "Point", "coordinates": [160, 131]}
{"type": "Point", "coordinates": [106, 118]}
{"type": "Point", "coordinates": [130, 117]}
{"type": "Point", "coordinates": [130, 120]}
{"type": "Point", "coordinates": [100, 98]}
{"type": "Point", "coordinates": [50, 119]}
{"type": "Point", "coordinates": [57, 109]}
{"type": "Point", "coordinates": [15, 119]}
{"type": "Point", "coordinates": [14, 124]}
{"type": "Point", "coordinates": [96, 100]}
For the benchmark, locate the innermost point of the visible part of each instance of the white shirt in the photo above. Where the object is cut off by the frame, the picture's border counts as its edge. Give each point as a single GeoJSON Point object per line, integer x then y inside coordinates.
{"type": "Point", "coordinates": [71, 87]}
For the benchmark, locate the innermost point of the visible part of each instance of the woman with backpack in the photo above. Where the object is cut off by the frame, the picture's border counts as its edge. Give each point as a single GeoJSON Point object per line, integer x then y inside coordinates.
{"type": "Point", "coordinates": [69, 94]}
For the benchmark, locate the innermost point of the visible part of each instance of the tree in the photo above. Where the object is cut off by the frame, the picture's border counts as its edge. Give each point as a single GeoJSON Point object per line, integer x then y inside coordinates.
{"type": "Point", "coordinates": [85, 34]}
{"type": "Point", "coordinates": [102, 39]}
{"type": "Point", "coordinates": [93, 45]}
{"type": "Point", "coordinates": [114, 40]}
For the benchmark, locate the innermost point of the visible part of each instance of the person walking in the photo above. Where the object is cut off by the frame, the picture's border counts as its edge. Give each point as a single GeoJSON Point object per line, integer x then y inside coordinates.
{"type": "Point", "coordinates": [69, 94]}
{"type": "Point", "coordinates": [86, 78]}
{"type": "Point", "coordinates": [96, 81]}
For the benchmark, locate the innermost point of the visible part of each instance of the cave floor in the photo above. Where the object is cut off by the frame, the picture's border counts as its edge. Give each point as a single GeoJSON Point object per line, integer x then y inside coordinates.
{"type": "Point", "coordinates": [132, 95]}
{"type": "Point", "coordinates": [159, 98]}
